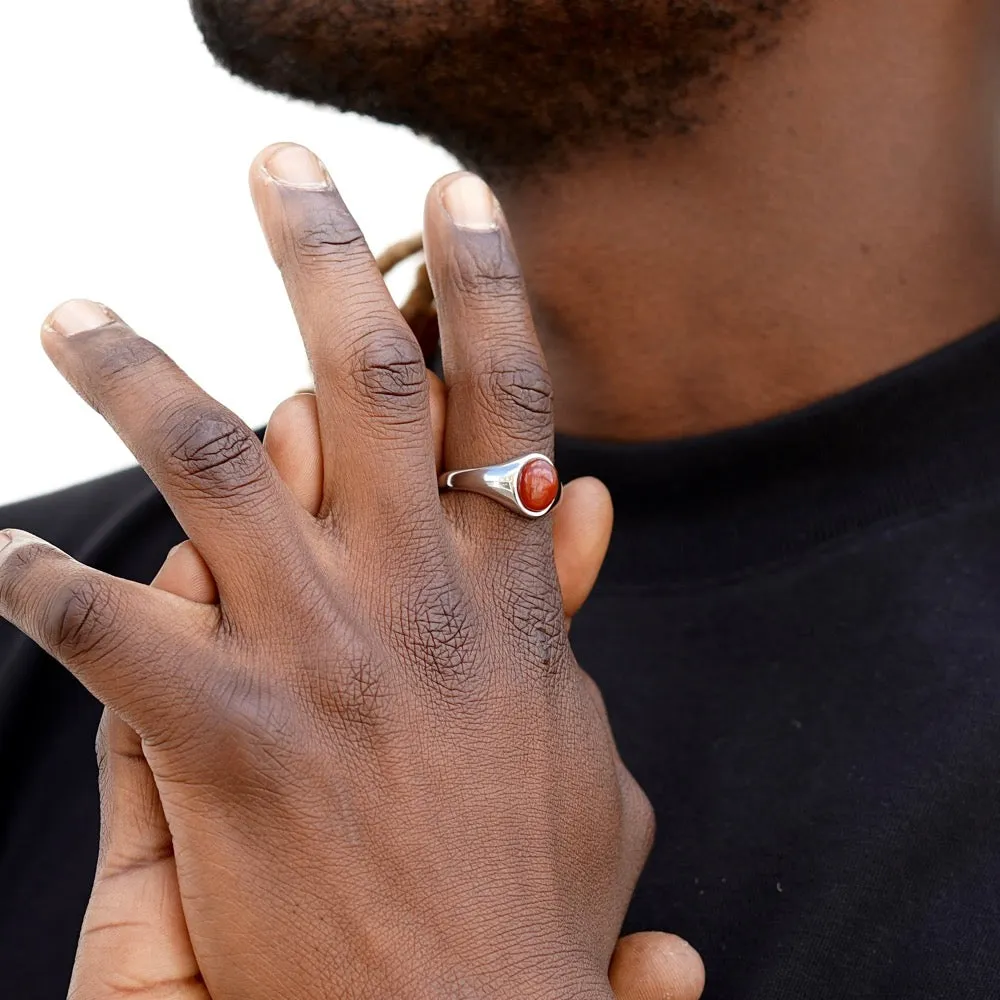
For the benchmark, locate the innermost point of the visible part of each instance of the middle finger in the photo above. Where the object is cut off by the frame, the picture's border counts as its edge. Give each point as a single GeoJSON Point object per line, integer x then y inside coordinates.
{"type": "Point", "coordinates": [371, 385]}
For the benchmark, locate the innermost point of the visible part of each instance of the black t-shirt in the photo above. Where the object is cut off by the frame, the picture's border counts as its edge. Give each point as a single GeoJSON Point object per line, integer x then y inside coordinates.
{"type": "Point", "coordinates": [798, 635]}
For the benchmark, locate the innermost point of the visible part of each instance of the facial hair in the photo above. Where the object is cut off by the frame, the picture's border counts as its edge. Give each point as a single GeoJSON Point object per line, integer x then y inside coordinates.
{"type": "Point", "coordinates": [510, 87]}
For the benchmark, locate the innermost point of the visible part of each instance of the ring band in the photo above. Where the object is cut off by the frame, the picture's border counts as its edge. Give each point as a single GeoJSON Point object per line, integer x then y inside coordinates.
{"type": "Point", "coordinates": [528, 485]}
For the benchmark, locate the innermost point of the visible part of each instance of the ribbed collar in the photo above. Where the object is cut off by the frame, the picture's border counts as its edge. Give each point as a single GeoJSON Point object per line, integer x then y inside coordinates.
{"type": "Point", "coordinates": [922, 438]}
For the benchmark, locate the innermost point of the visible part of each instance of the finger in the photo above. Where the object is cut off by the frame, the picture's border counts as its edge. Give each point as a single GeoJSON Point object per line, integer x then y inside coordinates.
{"type": "Point", "coordinates": [293, 445]}
{"type": "Point", "coordinates": [655, 966]}
{"type": "Point", "coordinates": [208, 464]}
{"type": "Point", "coordinates": [292, 441]}
{"type": "Point", "coordinates": [134, 941]}
{"type": "Point", "coordinates": [499, 393]}
{"type": "Point", "coordinates": [581, 532]}
{"type": "Point", "coordinates": [102, 629]}
{"type": "Point", "coordinates": [439, 411]}
{"type": "Point", "coordinates": [134, 831]}
{"type": "Point", "coordinates": [371, 387]}
{"type": "Point", "coordinates": [186, 574]}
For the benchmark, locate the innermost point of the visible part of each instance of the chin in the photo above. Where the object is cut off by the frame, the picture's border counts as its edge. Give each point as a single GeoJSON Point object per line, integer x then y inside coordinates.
{"type": "Point", "coordinates": [507, 86]}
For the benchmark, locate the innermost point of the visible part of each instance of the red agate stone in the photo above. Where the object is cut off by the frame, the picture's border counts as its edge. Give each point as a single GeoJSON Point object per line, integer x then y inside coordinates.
{"type": "Point", "coordinates": [537, 485]}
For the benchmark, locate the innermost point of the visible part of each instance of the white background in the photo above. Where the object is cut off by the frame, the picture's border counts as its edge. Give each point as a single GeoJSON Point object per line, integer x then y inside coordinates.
{"type": "Point", "coordinates": [124, 153]}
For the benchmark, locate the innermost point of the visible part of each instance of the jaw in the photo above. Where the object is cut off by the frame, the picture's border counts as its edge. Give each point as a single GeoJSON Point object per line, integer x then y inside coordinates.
{"type": "Point", "coordinates": [509, 87]}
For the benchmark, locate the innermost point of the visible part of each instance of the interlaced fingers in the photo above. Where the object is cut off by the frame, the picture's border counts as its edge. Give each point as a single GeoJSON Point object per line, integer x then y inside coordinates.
{"type": "Point", "coordinates": [419, 310]}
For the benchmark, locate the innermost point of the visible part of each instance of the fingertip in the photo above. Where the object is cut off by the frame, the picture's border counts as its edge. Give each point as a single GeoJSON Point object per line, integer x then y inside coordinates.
{"type": "Point", "coordinates": [78, 316]}
{"type": "Point", "coordinates": [266, 184]}
{"type": "Point", "coordinates": [593, 499]}
{"type": "Point", "coordinates": [292, 441]}
{"type": "Point", "coordinates": [73, 317]}
{"type": "Point", "coordinates": [258, 173]}
{"type": "Point", "coordinates": [185, 574]}
{"type": "Point", "coordinates": [581, 533]}
{"type": "Point", "coordinates": [435, 194]}
{"type": "Point", "coordinates": [438, 221]}
{"type": "Point", "coordinates": [652, 965]}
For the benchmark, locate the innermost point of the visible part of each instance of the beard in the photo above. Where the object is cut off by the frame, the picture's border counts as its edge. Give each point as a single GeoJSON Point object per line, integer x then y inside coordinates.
{"type": "Point", "coordinates": [509, 87]}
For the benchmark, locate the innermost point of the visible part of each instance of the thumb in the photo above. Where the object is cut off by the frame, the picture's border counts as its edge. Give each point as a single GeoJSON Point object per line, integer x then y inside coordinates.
{"type": "Point", "coordinates": [134, 941]}
{"type": "Point", "coordinates": [655, 966]}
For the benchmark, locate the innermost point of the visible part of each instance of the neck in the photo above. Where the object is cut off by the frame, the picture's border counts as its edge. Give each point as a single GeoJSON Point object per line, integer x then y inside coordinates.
{"type": "Point", "coordinates": [833, 220]}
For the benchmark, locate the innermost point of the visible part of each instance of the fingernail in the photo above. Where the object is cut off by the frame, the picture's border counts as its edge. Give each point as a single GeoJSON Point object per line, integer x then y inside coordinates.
{"type": "Point", "coordinates": [470, 203]}
{"type": "Point", "coordinates": [298, 167]}
{"type": "Point", "coordinates": [78, 316]}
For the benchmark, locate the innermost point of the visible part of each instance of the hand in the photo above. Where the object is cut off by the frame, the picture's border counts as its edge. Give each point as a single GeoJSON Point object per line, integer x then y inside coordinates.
{"type": "Point", "coordinates": [421, 649]}
{"type": "Point", "coordinates": [134, 938]}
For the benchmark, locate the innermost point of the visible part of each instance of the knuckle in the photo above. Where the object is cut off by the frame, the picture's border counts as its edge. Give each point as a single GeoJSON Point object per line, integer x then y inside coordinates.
{"type": "Point", "coordinates": [333, 240]}
{"type": "Point", "coordinates": [354, 695]}
{"type": "Point", "coordinates": [126, 358]}
{"type": "Point", "coordinates": [251, 715]}
{"type": "Point", "coordinates": [487, 268]}
{"type": "Point", "coordinates": [389, 373]}
{"type": "Point", "coordinates": [358, 698]}
{"type": "Point", "coordinates": [538, 621]}
{"type": "Point", "coordinates": [439, 638]}
{"type": "Point", "coordinates": [251, 702]}
{"type": "Point", "coordinates": [80, 619]}
{"type": "Point", "coordinates": [117, 362]}
{"type": "Point", "coordinates": [215, 453]}
{"type": "Point", "coordinates": [520, 392]}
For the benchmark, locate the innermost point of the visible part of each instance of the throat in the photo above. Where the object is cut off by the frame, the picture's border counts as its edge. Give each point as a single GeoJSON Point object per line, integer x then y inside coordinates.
{"type": "Point", "coordinates": [837, 221]}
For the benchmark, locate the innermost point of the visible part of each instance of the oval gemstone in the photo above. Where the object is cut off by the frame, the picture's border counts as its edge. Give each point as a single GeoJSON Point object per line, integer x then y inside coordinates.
{"type": "Point", "coordinates": [538, 485]}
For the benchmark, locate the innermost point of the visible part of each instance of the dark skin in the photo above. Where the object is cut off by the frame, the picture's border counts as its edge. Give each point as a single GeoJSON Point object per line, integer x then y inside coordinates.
{"type": "Point", "coordinates": [134, 932]}
{"type": "Point", "coordinates": [828, 216]}
{"type": "Point", "coordinates": [418, 780]}
{"type": "Point", "coordinates": [846, 146]}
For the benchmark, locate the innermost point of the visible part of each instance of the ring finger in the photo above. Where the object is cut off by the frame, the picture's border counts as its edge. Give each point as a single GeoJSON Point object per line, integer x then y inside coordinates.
{"type": "Point", "coordinates": [499, 392]}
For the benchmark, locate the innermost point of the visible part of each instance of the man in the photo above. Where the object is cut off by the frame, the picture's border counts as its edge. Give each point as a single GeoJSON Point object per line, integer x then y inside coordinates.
{"type": "Point", "coordinates": [766, 230]}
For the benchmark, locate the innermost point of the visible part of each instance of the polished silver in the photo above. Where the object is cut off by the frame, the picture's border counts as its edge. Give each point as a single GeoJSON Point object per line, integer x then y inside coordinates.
{"type": "Point", "coordinates": [498, 482]}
